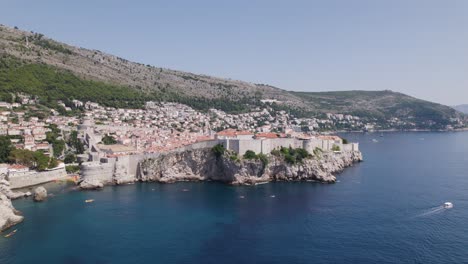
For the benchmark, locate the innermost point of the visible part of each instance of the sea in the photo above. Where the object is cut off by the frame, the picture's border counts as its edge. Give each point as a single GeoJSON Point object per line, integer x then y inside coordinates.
{"type": "Point", "coordinates": [387, 209]}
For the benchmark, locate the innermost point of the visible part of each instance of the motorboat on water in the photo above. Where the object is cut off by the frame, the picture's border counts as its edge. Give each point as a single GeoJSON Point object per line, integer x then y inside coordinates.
{"type": "Point", "coordinates": [89, 201]}
{"type": "Point", "coordinates": [448, 205]}
{"type": "Point", "coordinates": [375, 140]}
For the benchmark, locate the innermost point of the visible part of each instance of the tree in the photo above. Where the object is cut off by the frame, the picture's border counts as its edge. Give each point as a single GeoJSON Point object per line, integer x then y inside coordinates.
{"type": "Point", "coordinates": [58, 146]}
{"type": "Point", "coordinates": [7, 97]}
{"type": "Point", "coordinates": [263, 158]}
{"type": "Point", "coordinates": [69, 158]}
{"type": "Point", "coordinates": [72, 168]}
{"type": "Point", "coordinates": [41, 161]}
{"type": "Point", "coordinates": [31, 159]}
{"type": "Point", "coordinates": [108, 140]}
{"type": "Point", "coordinates": [22, 156]}
{"type": "Point", "coordinates": [75, 143]}
{"type": "Point", "coordinates": [5, 148]}
{"type": "Point", "coordinates": [53, 163]}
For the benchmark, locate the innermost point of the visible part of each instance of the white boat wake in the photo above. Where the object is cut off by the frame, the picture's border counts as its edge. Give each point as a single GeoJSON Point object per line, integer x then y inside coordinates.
{"type": "Point", "coordinates": [434, 210]}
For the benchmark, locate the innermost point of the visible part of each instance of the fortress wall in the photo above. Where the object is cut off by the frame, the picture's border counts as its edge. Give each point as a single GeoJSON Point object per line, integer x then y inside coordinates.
{"type": "Point", "coordinates": [26, 179]}
{"type": "Point", "coordinates": [125, 168]}
{"type": "Point", "coordinates": [198, 145]}
{"type": "Point", "coordinates": [254, 145]}
{"type": "Point", "coordinates": [311, 144]}
{"type": "Point", "coordinates": [351, 147]}
{"type": "Point", "coordinates": [102, 172]}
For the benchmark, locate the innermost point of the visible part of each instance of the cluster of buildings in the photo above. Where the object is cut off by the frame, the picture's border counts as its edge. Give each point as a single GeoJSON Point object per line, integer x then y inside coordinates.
{"type": "Point", "coordinates": [166, 126]}
{"type": "Point", "coordinates": [161, 127]}
{"type": "Point", "coordinates": [27, 131]}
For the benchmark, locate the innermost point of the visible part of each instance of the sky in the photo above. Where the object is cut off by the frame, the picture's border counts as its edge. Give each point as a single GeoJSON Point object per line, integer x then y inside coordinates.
{"type": "Point", "coordinates": [417, 47]}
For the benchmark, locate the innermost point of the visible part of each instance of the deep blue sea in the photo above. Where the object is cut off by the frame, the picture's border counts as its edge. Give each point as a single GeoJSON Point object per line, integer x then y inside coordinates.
{"type": "Point", "coordinates": [384, 210]}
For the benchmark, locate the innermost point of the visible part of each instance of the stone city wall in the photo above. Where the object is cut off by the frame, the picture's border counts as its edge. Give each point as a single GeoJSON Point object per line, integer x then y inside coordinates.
{"type": "Point", "coordinates": [122, 169]}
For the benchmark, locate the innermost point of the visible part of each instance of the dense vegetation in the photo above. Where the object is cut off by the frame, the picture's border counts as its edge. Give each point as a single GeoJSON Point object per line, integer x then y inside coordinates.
{"type": "Point", "coordinates": [75, 143]}
{"type": "Point", "coordinates": [54, 137]}
{"type": "Point", "coordinates": [32, 159]}
{"type": "Point", "coordinates": [50, 84]}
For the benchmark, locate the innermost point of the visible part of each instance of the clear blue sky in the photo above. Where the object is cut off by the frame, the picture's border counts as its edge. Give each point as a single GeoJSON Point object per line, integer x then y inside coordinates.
{"type": "Point", "coordinates": [419, 47]}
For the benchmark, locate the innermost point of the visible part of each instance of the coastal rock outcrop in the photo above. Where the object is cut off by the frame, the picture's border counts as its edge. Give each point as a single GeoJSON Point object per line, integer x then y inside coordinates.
{"type": "Point", "coordinates": [9, 216]}
{"type": "Point", "coordinates": [40, 194]}
{"type": "Point", "coordinates": [91, 184]}
{"type": "Point", "coordinates": [203, 164]}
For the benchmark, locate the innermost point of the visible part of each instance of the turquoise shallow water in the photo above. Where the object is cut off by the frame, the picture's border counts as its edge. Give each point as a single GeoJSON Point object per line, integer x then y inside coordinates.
{"type": "Point", "coordinates": [384, 210]}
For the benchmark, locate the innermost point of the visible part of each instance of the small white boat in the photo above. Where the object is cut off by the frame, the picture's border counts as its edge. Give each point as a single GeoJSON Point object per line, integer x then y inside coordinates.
{"type": "Point", "coordinates": [448, 205]}
{"type": "Point", "coordinates": [375, 140]}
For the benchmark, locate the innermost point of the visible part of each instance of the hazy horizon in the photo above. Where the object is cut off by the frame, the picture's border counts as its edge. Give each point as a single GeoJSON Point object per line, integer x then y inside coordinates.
{"type": "Point", "coordinates": [416, 48]}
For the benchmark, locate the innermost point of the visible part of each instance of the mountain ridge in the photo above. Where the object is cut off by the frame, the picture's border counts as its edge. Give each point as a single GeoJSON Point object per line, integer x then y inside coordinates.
{"type": "Point", "coordinates": [145, 82]}
{"type": "Point", "coordinates": [462, 108]}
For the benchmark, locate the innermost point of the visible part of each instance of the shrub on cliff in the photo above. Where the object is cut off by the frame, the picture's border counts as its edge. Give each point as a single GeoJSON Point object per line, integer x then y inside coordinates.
{"type": "Point", "coordinates": [249, 155]}
{"type": "Point", "coordinates": [276, 152]}
{"type": "Point", "coordinates": [234, 157]}
{"type": "Point", "coordinates": [290, 159]}
{"type": "Point", "coordinates": [263, 158]}
{"type": "Point", "coordinates": [301, 154]}
{"type": "Point", "coordinates": [336, 148]}
{"type": "Point", "coordinates": [318, 152]}
{"type": "Point", "coordinates": [218, 150]}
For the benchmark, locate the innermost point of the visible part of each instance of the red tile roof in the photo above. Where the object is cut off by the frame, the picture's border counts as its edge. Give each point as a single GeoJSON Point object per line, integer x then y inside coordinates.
{"type": "Point", "coordinates": [232, 132]}
{"type": "Point", "coordinates": [329, 137]}
{"type": "Point", "coordinates": [17, 167]}
{"type": "Point", "coordinates": [268, 135]}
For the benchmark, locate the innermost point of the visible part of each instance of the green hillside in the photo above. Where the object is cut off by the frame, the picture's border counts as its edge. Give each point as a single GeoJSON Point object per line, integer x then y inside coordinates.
{"type": "Point", "coordinates": [382, 106]}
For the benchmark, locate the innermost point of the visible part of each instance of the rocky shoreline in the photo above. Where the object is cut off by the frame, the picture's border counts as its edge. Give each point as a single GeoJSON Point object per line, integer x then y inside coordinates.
{"type": "Point", "coordinates": [9, 216]}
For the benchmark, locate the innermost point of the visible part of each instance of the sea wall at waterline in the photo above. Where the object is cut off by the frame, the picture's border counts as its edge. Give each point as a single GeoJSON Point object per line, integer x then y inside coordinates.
{"type": "Point", "coordinates": [31, 178]}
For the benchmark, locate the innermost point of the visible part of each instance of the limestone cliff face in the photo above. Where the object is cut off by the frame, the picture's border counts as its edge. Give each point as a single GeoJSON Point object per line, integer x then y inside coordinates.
{"type": "Point", "coordinates": [202, 164]}
{"type": "Point", "coordinates": [9, 216]}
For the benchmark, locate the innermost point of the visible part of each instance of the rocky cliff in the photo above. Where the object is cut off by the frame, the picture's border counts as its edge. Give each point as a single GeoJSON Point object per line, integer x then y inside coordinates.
{"type": "Point", "coordinates": [9, 216]}
{"type": "Point", "coordinates": [203, 164]}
